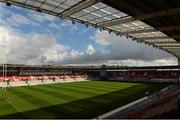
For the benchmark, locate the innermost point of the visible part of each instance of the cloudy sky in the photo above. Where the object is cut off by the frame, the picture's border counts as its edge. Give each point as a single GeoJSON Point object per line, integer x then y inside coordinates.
{"type": "Point", "coordinates": [28, 37]}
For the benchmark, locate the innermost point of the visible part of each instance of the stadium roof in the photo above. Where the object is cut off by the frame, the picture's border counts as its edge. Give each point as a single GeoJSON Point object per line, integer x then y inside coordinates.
{"type": "Point", "coordinates": [154, 22]}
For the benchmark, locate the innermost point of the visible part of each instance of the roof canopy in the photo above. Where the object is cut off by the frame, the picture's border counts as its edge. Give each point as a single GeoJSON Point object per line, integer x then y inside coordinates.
{"type": "Point", "coordinates": [154, 22]}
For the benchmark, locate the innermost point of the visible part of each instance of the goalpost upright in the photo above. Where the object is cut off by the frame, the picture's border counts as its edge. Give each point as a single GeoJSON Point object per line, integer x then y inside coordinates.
{"type": "Point", "coordinates": [4, 72]}
{"type": "Point", "coordinates": [4, 85]}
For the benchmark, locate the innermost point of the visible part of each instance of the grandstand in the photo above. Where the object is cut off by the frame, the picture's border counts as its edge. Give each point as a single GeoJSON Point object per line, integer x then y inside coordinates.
{"type": "Point", "coordinates": [19, 75]}
{"type": "Point", "coordinates": [100, 92]}
{"type": "Point", "coordinates": [36, 77]}
{"type": "Point", "coordinates": [83, 80]}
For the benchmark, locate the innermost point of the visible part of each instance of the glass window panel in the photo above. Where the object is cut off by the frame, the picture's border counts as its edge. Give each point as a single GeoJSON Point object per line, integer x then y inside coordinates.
{"type": "Point", "coordinates": [20, 1]}
{"type": "Point", "coordinates": [86, 18]}
{"type": "Point", "coordinates": [52, 2]}
{"type": "Point", "coordinates": [111, 10]}
{"type": "Point", "coordinates": [119, 15]}
{"type": "Point", "coordinates": [80, 14]}
{"type": "Point", "coordinates": [35, 4]}
{"type": "Point", "coordinates": [70, 2]}
{"type": "Point", "coordinates": [90, 9]}
{"type": "Point", "coordinates": [101, 20]}
{"type": "Point", "coordinates": [48, 7]}
{"type": "Point", "coordinates": [111, 17]}
{"type": "Point", "coordinates": [93, 15]}
{"type": "Point", "coordinates": [64, 6]}
{"type": "Point", "coordinates": [101, 13]}
{"type": "Point", "coordinates": [58, 10]}
{"type": "Point", "coordinates": [100, 5]}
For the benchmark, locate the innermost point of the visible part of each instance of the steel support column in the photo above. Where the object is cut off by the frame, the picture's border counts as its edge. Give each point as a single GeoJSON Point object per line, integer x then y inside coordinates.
{"type": "Point", "coordinates": [178, 73]}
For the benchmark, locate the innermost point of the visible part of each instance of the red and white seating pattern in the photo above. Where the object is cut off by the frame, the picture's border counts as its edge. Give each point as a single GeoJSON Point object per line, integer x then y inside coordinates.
{"type": "Point", "coordinates": [37, 80]}
{"type": "Point", "coordinates": [155, 75]}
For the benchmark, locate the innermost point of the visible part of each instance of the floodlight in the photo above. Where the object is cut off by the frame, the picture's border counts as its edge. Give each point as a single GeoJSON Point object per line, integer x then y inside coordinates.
{"type": "Point", "coordinates": [73, 22]}
{"type": "Point", "coordinates": [39, 10]}
{"type": "Point", "coordinates": [8, 4]}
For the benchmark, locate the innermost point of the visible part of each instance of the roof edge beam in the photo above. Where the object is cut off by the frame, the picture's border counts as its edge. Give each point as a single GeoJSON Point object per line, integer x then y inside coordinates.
{"type": "Point", "coordinates": [140, 31]}
{"type": "Point", "coordinates": [174, 50]}
{"type": "Point", "coordinates": [155, 38]}
{"type": "Point", "coordinates": [160, 37]}
{"type": "Point", "coordinates": [118, 21]}
{"type": "Point", "coordinates": [78, 7]}
{"type": "Point", "coordinates": [169, 28]}
{"type": "Point", "coordinates": [168, 45]}
{"type": "Point", "coordinates": [163, 42]}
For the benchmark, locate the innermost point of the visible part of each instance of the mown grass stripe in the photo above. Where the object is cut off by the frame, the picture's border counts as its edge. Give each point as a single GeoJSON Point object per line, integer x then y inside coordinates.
{"type": "Point", "coordinates": [78, 90]}
{"type": "Point", "coordinates": [32, 99]}
{"type": "Point", "coordinates": [86, 93]}
{"type": "Point", "coordinates": [95, 89]}
{"type": "Point", "coordinates": [40, 95]}
{"type": "Point", "coordinates": [55, 93]}
{"type": "Point", "coordinates": [16, 108]}
{"type": "Point", "coordinates": [6, 108]}
{"type": "Point", "coordinates": [20, 102]}
{"type": "Point", "coordinates": [113, 84]}
{"type": "Point", "coordinates": [98, 84]}
{"type": "Point", "coordinates": [29, 97]}
{"type": "Point", "coordinates": [60, 95]}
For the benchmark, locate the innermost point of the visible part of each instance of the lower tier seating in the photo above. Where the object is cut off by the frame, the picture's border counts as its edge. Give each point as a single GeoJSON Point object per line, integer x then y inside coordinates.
{"type": "Point", "coordinates": [13, 81]}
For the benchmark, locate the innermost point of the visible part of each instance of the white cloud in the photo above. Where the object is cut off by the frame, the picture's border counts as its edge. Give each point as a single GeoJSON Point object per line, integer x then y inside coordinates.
{"type": "Point", "coordinates": [55, 53]}
{"type": "Point", "coordinates": [122, 51]}
{"type": "Point", "coordinates": [121, 48]}
{"type": "Point", "coordinates": [9, 18]}
{"type": "Point", "coordinates": [101, 38]}
{"type": "Point", "coordinates": [40, 17]}
{"type": "Point", "coordinates": [130, 62]}
{"type": "Point", "coordinates": [17, 19]}
{"type": "Point", "coordinates": [90, 50]}
{"type": "Point", "coordinates": [75, 54]}
{"type": "Point", "coordinates": [66, 23]}
{"type": "Point", "coordinates": [54, 26]}
{"type": "Point", "coordinates": [74, 28]}
{"type": "Point", "coordinates": [30, 48]}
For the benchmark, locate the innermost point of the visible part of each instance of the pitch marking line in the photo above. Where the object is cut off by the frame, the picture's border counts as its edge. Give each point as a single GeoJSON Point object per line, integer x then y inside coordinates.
{"type": "Point", "coordinates": [16, 108]}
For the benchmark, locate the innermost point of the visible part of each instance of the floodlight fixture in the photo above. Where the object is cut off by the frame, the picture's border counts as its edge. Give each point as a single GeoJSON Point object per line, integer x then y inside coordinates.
{"type": "Point", "coordinates": [73, 23]}
{"type": "Point", "coordinates": [39, 10]}
{"type": "Point", "coordinates": [8, 4]}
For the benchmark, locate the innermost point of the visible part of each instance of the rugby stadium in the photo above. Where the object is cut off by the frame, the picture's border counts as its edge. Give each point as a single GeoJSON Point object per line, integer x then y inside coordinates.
{"type": "Point", "coordinates": [104, 91]}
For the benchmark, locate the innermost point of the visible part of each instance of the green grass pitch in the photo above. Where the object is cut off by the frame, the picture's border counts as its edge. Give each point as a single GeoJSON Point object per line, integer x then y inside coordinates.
{"type": "Point", "coordinates": [71, 100]}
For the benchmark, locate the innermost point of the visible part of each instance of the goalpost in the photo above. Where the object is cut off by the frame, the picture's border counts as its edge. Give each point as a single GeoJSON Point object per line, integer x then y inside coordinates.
{"type": "Point", "coordinates": [5, 81]}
